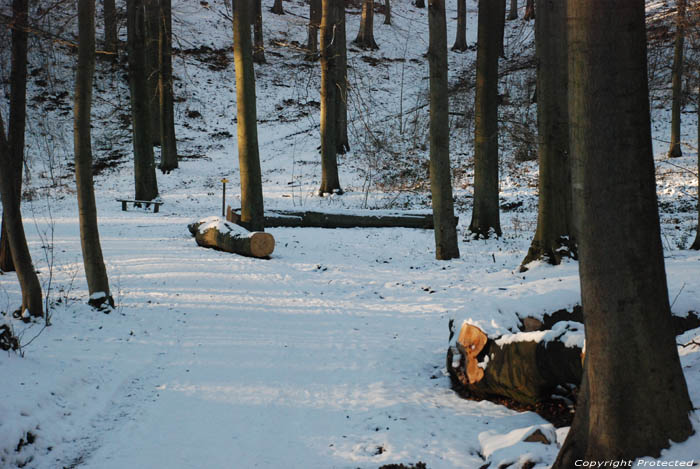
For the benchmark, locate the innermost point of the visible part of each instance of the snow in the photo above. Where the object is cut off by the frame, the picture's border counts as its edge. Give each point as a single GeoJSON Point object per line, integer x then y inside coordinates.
{"type": "Point", "coordinates": [331, 353]}
{"type": "Point", "coordinates": [569, 333]}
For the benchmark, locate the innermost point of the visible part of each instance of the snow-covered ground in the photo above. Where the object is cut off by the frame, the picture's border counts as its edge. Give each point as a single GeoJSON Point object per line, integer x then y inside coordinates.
{"type": "Point", "coordinates": [331, 353]}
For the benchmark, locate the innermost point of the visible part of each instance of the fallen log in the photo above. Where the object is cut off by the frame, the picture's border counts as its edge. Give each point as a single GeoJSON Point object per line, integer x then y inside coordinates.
{"type": "Point", "coordinates": [525, 367]}
{"type": "Point", "coordinates": [343, 219]}
{"type": "Point", "coordinates": [215, 233]}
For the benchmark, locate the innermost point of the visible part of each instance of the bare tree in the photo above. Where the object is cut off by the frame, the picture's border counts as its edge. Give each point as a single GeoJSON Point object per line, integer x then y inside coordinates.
{"type": "Point", "coordinates": [314, 25]}
{"type": "Point", "coordinates": [168, 148]}
{"type": "Point", "coordinates": [258, 43]}
{"type": "Point", "coordinates": [365, 36]}
{"type": "Point", "coordinates": [111, 39]}
{"type": "Point", "coordinates": [696, 243]}
{"type": "Point", "coordinates": [461, 39]}
{"type": "Point", "coordinates": [677, 82]}
{"type": "Point", "coordinates": [152, 21]}
{"type": "Point", "coordinates": [342, 142]}
{"type": "Point", "coordinates": [387, 11]}
{"type": "Point", "coordinates": [277, 8]}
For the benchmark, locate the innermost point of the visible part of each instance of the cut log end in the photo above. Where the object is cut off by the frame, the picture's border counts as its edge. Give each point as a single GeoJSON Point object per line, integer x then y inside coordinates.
{"type": "Point", "coordinates": [472, 340]}
{"type": "Point", "coordinates": [261, 244]}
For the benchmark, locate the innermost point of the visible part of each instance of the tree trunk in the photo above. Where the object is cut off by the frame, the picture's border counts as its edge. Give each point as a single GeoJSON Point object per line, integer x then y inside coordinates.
{"type": "Point", "coordinates": [696, 243]}
{"type": "Point", "coordinates": [501, 28]}
{"type": "Point", "coordinates": [461, 39]}
{"type": "Point", "coordinates": [365, 36]}
{"type": "Point", "coordinates": [95, 272]}
{"type": "Point", "coordinates": [446, 246]}
{"type": "Point", "coordinates": [111, 39]}
{"type": "Point", "coordinates": [420, 4]}
{"type": "Point", "coordinates": [554, 237]}
{"type": "Point", "coordinates": [330, 182]}
{"type": "Point", "coordinates": [677, 82]}
{"type": "Point", "coordinates": [146, 185]}
{"type": "Point", "coordinates": [153, 21]}
{"type": "Point", "coordinates": [168, 149]}
{"type": "Point", "coordinates": [28, 280]}
{"type": "Point", "coordinates": [387, 11]}
{"type": "Point", "coordinates": [229, 237]}
{"type": "Point", "coordinates": [529, 10]}
{"type": "Point", "coordinates": [314, 24]}
{"type": "Point", "coordinates": [258, 43]}
{"type": "Point", "coordinates": [252, 211]}
{"type": "Point", "coordinates": [513, 14]}
{"type": "Point", "coordinates": [277, 8]}
{"type": "Point", "coordinates": [623, 281]}
{"type": "Point", "coordinates": [18, 115]}
{"type": "Point", "coordinates": [485, 215]}
{"type": "Point", "coordinates": [342, 142]}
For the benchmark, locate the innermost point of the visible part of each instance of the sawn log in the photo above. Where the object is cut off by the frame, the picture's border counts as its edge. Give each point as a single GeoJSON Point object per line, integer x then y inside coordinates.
{"type": "Point", "coordinates": [215, 233]}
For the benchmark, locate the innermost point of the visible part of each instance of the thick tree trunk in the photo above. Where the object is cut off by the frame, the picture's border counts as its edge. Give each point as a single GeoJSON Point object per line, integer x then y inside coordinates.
{"type": "Point", "coordinates": [623, 282]}
{"type": "Point", "coordinates": [277, 8]}
{"type": "Point", "coordinates": [315, 7]}
{"type": "Point", "coordinates": [28, 280]}
{"type": "Point", "coordinates": [513, 14]}
{"type": "Point", "coordinates": [501, 28]}
{"type": "Point", "coordinates": [18, 115]}
{"type": "Point", "coordinates": [152, 20]}
{"type": "Point", "coordinates": [330, 182]}
{"type": "Point", "coordinates": [258, 43]}
{"type": "Point", "coordinates": [529, 10]}
{"type": "Point", "coordinates": [95, 272]}
{"type": "Point", "coordinates": [342, 143]}
{"type": "Point", "coordinates": [229, 237]}
{"type": "Point", "coordinates": [677, 82]}
{"type": "Point", "coordinates": [485, 215]}
{"type": "Point", "coordinates": [554, 236]}
{"type": "Point", "coordinates": [111, 39]}
{"type": "Point", "coordinates": [446, 246]}
{"type": "Point", "coordinates": [168, 148]}
{"type": "Point", "coordinates": [387, 11]}
{"type": "Point", "coordinates": [146, 185]}
{"type": "Point", "coordinates": [365, 36]}
{"type": "Point", "coordinates": [248, 154]}
{"type": "Point", "coordinates": [461, 39]}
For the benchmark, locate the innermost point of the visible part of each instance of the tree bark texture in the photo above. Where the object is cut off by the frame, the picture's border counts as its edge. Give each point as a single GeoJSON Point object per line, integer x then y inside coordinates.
{"type": "Point", "coordinates": [28, 280]}
{"type": "Point", "coordinates": [153, 21]}
{"type": "Point", "coordinates": [461, 38]}
{"type": "Point", "coordinates": [330, 182]}
{"type": "Point", "coordinates": [146, 185]}
{"type": "Point", "coordinates": [315, 7]}
{"type": "Point", "coordinates": [677, 81]}
{"type": "Point", "coordinates": [258, 43]}
{"type": "Point", "coordinates": [485, 215]}
{"type": "Point", "coordinates": [277, 8]}
{"type": "Point", "coordinates": [446, 245]}
{"type": "Point", "coordinates": [252, 211]}
{"type": "Point", "coordinates": [111, 39]}
{"type": "Point", "coordinates": [554, 237]}
{"type": "Point", "coordinates": [168, 148]}
{"type": "Point", "coordinates": [18, 115]}
{"type": "Point", "coordinates": [632, 401]}
{"type": "Point", "coordinates": [365, 36]}
{"type": "Point", "coordinates": [513, 13]}
{"type": "Point", "coordinates": [342, 142]}
{"type": "Point", "coordinates": [95, 271]}
{"type": "Point", "coordinates": [529, 10]}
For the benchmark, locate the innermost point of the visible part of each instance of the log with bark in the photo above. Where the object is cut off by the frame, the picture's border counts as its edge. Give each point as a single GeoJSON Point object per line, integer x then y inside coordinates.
{"type": "Point", "coordinates": [343, 219]}
{"type": "Point", "coordinates": [213, 232]}
{"type": "Point", "coordinates": [525, 367]}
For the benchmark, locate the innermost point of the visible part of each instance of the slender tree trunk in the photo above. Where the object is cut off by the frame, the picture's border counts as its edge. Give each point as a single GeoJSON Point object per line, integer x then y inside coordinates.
{"type": "Point", "coordinates": [677, 82]}
{"type": "Point", "coordinates": [529, 10]}
{"type": "Point", "coordinates": [330, 182]}
{"type": "Point", "coordinates": [387, 11]}
{"type": "Point", "coordinates": [554, 236]}
{"type": "Point", "coordinates": [95, 272]}
{"type": "Point", "coordinates": [461, 39]}
{"type": "Point", "coordinates": [342, 81]}
{"type": "Point", "coordinates": [634, 397]}
{"type": "Point", "coordinates": [28, 280]}
{"type": "Point", "coordinates": [513, 14]}
{"type": "Point", "coordinates": [314, 25]}
{"type": "Point", "coordinates": [258, 43]}
{"type": "Point", "coordinates": [446, 246]}
{"type": "Point", "coordinates": [485, 215]}
{"type": "Point", "coordinates": [420, 4]}
{"type": "Point", "coordinates": [18, 115]}
{"type": "Point", "coordinates": [252, 210]}
{"type": "Point", "coordinates": [696, 243]}
{"type": "Point", "coordinates": [501, 28]}
{"type": "Point", "coordinates": [168, 149]}
{"type": "Point", "coordinates": [144, 166]}
{"type": "Point", "coordinates": [111, 39]}
{"type": "Point", "coordinates": [365, 36]}
{"type": "Point", "coordinates": [277, 8]}
{"type": "Point", "coordinates": [152, 20]}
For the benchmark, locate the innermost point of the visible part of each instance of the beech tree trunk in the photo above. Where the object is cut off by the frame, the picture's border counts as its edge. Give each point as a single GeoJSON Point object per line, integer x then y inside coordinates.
{"type": "Point", "coordinates": [168, 148]}
{"type": "Point", "coordinates": [258, 43]}
{"type": "Point", "coordinates": [485, 214]}
{"type": "Point", "coordinates": [95, 272]}
{"type": "Point", "coordinates": [146, 185]}
{"type": "Point", "coordinates": [529, 10]}
{"type": "Point", "coordinates": [446, 246]}
{"type": "Point", "coordinates": [315, 7]}
{"type": "Point", "coordinates": [626, 316]}
{"type": "Point", "coordinates": [252, 211]}
{"type": "Point", "coordinates": [330, 182]}
{"type": "Point", "coordinates": [342, 143]}
{"type": "Point", "coordinates": [554, 237]}
{"type": "Point", "coordinates": [677, 82]}
{"type": "Point", "coordinates": [277, 8]}
{"type": "Point", "coordinates": [513, 14]}
{"type": "Point", "coordinates": [111, 39]}
{"type": "Point", "coordinates": [153, 21]}
{"type": "Point", "coordinates": [365, 36]}
{"type": "Point", "coordinates": [461, 39]}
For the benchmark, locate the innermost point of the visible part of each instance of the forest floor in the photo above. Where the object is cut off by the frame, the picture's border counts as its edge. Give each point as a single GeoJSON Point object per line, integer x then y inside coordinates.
{"type": "Point", "coordinates": [332, 352]}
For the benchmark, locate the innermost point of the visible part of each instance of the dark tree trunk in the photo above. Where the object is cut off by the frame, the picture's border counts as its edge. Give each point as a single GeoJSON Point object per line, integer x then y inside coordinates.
{"type": "Point", "coordinates": [446, 246]}
{"type": "Point", "coordinates": [420, 3]}
{"type": "Point", "coordinates": [28, 280]}
{"type": "Point", "coordinates": [677, 82]}
{"type": "Point", "coordinates": [146, 185]}
{"type": "Point", "coordinates": [342, 93]}
{"type": "Point", "coordinates": [18, 115]}
{"type": "Point", "coordinates": [252, 210]}
{"type": "Point", "coordinates": [554, 235]}
{"type": "Point", "coordinates": [696, 243]}
{"type": "Point", "coordinates": [461, 39]}
{"type": "Point", "coordinates": [513, 14]}
{"type": "Point", "coordinates": [258, 43]}
{"type": "Point", "coordinates": [529, 10]}
{"type": "Point", "coordinates": [95, 272]}
{"type": "Point", "coordinates": [277, 8]}
{"type": "Point", "coordinates": [330, 182]}
{"type": "Point", "coordinates": [485, 215]}
{"type": "Point", "coordinates": [152, 20]}
{"type": "Point", "coordinates": [111, 39]}
{"type": "Point", "coordinates": [168, 149]}
{"type": "Point", "coordinates": [365, 36]}
{"type": "Point", "coordinates": [630, 342]}
{"type": "Point", "coordinates": [387, 11]}
{"type": "Point", "coordinates": [501, 28]}
{"type": "Point", "coordinates": [314, 25]}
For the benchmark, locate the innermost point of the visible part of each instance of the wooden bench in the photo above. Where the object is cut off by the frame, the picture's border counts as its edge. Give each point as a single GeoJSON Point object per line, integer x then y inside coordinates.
{"type": "Point", "coordinates": [138, 203]}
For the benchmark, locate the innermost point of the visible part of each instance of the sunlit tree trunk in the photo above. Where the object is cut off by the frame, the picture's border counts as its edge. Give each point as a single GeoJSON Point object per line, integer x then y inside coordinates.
{"type": "Point", "coordinates": [168, 148]}
{"type": "Point", "coordinates": [677, 82]}
{"type": "Point", "coordinates": [330, 182]}
{"type": "Point", "coordinates": [365, 36]}
{"type": "Point", "coordinates": [461, 39]}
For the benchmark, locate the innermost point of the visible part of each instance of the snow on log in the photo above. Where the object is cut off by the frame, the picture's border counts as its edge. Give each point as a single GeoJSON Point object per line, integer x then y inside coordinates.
{"type": "Point", "coordinates": [213, 232]}
{"type": "Point", "coordinates": [526, 367]}
{"type": "Point", "coordinates": [343, 219]}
